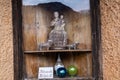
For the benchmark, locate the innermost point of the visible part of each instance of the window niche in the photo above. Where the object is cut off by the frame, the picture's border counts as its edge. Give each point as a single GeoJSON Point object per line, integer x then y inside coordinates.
{"type": "Point", "coordinates": [31, 24]}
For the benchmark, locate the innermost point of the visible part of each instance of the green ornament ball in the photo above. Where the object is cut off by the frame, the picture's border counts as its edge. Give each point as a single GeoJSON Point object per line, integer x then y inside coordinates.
{"type": "Point", "coordinates": [72, 70]}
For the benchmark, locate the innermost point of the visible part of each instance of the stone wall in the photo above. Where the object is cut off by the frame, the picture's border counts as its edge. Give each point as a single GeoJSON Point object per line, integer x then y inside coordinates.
{"type": "Point", "coordinates": [110, 16]}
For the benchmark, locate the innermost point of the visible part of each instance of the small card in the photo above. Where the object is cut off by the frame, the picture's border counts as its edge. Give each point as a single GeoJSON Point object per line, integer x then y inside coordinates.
{"type": "Point", "coordinates": [45, 73]}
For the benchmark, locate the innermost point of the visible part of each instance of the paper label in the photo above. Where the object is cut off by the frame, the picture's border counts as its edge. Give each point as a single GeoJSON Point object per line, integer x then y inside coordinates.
{"type": "Point", "coordinates": [45, 73]}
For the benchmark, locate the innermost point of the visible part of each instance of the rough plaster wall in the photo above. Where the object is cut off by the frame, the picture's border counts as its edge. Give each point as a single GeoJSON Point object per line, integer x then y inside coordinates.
{"type": "Point", "coordinates": [110, 15]}
{"type": "Point", "coordinates": [110, 11]}
{"type": "Point", "coordinates": [6, 44]}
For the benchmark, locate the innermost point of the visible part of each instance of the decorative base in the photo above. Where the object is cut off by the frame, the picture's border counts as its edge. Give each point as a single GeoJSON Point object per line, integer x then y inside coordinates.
{"type": "Point", "coordinates": [58, 48]}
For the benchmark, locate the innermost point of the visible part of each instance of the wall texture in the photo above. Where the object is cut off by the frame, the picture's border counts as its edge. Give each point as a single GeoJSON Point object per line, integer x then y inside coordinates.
{"type": "Point", "coordinates": [6, 41]}
{"type": "Point", "coordinates": [110, 16]}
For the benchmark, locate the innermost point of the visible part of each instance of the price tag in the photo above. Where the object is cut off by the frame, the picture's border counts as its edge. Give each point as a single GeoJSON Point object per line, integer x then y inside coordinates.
{"type": "Point", "coordinates": [45, 73]}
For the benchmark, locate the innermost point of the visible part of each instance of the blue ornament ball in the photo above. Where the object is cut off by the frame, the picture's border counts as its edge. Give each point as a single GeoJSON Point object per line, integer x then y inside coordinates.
{"type": "Point", "coordinates": [61, 72]}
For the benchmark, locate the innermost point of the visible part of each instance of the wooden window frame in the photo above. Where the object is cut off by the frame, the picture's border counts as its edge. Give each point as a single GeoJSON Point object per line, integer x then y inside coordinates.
{"type": "Point", "coordinates": [96, 39]}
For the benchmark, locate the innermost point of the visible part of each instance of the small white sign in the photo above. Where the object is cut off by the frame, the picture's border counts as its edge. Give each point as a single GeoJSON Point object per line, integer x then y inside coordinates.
{"type": "Point", "coordinates": [45, 73]}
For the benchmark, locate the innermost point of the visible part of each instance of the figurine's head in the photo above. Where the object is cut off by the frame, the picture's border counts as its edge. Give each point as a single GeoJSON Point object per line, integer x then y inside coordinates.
{"type": "Point", "coordinates": [61, 17]}
{"type": "Point", "coordinates": [77, 43]}
{"type": "Point", "coordinates": [56, 14]}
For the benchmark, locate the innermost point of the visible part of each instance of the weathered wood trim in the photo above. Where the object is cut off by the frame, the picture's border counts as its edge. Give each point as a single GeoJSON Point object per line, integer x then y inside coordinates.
{"type": "Point", "coordinates": [96, 39]}
{"type": "Point", "coordinates": [17, 39]}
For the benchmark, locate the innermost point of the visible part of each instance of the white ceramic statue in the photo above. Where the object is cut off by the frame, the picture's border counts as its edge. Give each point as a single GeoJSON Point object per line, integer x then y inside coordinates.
{"type": "Point", "coordinates": [58, 34]}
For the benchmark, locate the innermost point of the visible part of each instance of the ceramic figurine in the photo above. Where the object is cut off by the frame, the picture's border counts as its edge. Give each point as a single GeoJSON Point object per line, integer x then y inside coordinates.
{"type": "Point", "coordinates": [46, 45]}
{"type": "Point", "coordinates": [58, 34]}
{"type": "Point", "coordinates": [73, 46]}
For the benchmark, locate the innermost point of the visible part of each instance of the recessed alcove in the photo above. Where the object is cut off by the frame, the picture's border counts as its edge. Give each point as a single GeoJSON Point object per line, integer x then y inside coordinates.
{"type": "Point", "coordinates": [81, 26]}
{"type": "Point", "coordinates": [36, 29]}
